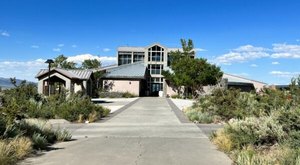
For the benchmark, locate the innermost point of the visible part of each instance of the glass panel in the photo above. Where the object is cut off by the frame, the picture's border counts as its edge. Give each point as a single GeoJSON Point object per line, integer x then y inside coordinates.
{"type": "Point", "coordinates": [156, 69]}
{"type": "Point", "coordinates": [155, 56]}
{"type": "Point", "coordinates": [149, 56]}
{"type": "Point", "coordinates": [124, 58]}
{"type": "Point", "coordinates": [138, 56]}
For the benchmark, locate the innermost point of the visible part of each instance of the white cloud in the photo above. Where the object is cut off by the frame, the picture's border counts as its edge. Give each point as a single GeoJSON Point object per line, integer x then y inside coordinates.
{"type": "Point", "coordinates": [275, 63]}
{"type": "Point", "coordinates": [254, 65]}
{"type": "Point", "coordinates": [56, 49]}
{"type": "Point", "coordinates": [61, 45]}
{"type": "Point", "coordinates": [35, 46]}
{"type": "Point", "coordinates": [242, 54]}
{"type": "Point", "coordinates": [106, 50]}
{"type": "Point", "coordinates": [4, 33]}
{"type": "Point", "coordinates": [285, 51]}
{"type": "Point", "coordinates": [25, 70]}
{"type": "Point", "coordinates": [199, 50]}
{"type": "Point", "coordinates": [105, 60]}
{"type": "Point", "coordinates": [284, 74]}
{"type": "Point", "coordinates": [74, 46]}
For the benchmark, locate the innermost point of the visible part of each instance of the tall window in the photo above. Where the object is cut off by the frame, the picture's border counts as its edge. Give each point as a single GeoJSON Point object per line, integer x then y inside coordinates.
{"type": "Point", "coordinates": [156, 53]}
{"type": "Point", "coordinates": [169, 59]}
{"type": "Point", "coordinates": [124, 58]}
{"type": "Point", "coordinates": [138, 56]}
{"type": "Point", "coordinates": [155, 68]}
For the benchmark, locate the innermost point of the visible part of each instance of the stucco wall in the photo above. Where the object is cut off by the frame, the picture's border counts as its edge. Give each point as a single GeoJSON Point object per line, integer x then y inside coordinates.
{"type": "Point", "coordinates": [77, 86]}
{"type": "Point", "coordinates": [258, 86]}
{"type": "Point", "coordinates": [169, 90]}
{"type": "Point", "coordinates": [131, 86]}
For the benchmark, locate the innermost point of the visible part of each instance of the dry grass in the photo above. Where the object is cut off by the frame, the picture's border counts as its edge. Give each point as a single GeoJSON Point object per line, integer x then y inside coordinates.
{"type": "Point", "coordinates": [80, 118]}
{"type": "Point", "coordinates": [7, 156]}
{"type": "Point", "coordinates": [223, 141]}
{"type": "Point", "coordinates": [13, 150]}
{"type": "Point", "coordinates": [94, 116]}
{"type": "Point", "coordinates": [22, 147]}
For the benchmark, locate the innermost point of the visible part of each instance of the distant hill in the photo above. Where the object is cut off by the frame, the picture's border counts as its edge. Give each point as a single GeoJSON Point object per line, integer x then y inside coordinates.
{"type": "Point", "coordinates": [5, 83]}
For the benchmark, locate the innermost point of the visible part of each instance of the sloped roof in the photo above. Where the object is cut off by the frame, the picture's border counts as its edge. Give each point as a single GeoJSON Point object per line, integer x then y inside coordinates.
{"type": "Point", "coordinates": [73, 73]}
{"type": "Point", "coordinates": [238, 79]}
{"type": "Point", "coordinates": [128, 48]}
{"type": "Point", "coordinates": [134, 70]}
{"type": "Point", "coordinates": [106, 67]}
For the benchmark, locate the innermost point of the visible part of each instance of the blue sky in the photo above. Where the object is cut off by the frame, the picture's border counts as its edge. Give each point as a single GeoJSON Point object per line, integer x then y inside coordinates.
{"type": "Point", "coordinates": [252, 38]}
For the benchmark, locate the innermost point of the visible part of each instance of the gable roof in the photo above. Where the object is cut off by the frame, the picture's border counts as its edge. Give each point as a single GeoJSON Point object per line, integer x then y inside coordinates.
{"type": "Point", "coordinates": [135, 70]}
{"type": "Point", "coordinates": [72, 73]}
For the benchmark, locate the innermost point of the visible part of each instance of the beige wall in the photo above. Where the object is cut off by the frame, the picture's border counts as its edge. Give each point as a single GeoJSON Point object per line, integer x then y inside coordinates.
{"type": "Point", "coordinates": [169, 90]}
{"type": "Point", "coordinates": [258, 86]}
{"type": "Point", "coordinates": [77, 86]}
{"type": "Point", "coordinates": [131, 86]}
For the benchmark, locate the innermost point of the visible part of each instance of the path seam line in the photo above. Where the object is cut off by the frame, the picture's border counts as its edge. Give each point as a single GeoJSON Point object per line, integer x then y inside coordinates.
{"type": "Point", "coordinates": [111, 115]}
{"type": "Point", "coordinates": [179, 114]}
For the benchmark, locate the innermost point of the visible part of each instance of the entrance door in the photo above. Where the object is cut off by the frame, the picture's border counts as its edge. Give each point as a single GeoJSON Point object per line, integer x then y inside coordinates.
{"type": "Point", "coordinates": [155, 88]}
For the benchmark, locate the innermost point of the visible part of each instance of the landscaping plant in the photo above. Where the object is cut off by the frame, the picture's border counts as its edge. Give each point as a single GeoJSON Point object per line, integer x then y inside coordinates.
{"type": "Point", "coordinates": [260, 128]}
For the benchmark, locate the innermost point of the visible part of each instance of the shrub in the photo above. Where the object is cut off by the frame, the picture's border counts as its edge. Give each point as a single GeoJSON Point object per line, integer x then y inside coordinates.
{"type": "Point", "coordinates": [175, 96]}
{"type": "Point", "coordinates": [31, 127]}
{"type": "Point", "coordinates": [106, 112]}
{"type": "Point", "coordinates": [195, 115]}
{"type": "Point", "coordinates": [63, 135]}
{"type": "Point", "coordinates": [75, 108]}
{"type": "Point", "coordinates": [290, 121]}
{"type": "Point", "coordinates": [289, 156]}
{"type": "Point", "coordinates": [11, 131]}
{"type": "Point", "coordinates": [39, 141]}
{"type": "Point", "coordinates": [2, 125]}
{"type": "Point", "coordinates": [103, 94]}
{"type": "Point", "coordinates": [255, 131]}
{"type": "Point", "coordinates": [250, 157]}
{"type": "Point", "coordinates": [128, 95]}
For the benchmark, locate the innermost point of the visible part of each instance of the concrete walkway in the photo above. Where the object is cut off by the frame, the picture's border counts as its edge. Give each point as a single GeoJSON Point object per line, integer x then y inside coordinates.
{"type": "Point", "coordinates": [148, 132]}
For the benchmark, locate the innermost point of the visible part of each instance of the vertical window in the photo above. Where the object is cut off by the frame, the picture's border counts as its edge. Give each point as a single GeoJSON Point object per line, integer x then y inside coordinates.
{"type": "Point", "coordinates": [138, 56]}
{"type": "Point", "coordinates": [169, 59]}
{"type": "Point", "coordinates": [124, 58]}
{"type": "Point", "coordinates": [155, 68]}
{"type": "Point", "coordinates": [156, 53]}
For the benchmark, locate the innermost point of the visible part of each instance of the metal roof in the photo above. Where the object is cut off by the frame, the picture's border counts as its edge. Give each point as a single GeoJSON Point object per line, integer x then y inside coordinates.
{"type": "Point", "coordinates": [73, 73]}
{"type": "Point", "coordinates": [134, 70]}
{"type": "Point", "coordinates": [129, 49]}
{"type": "Point", "coordinates": [143, 49]}
{"type": "Point", "coordinates": [233, 78]}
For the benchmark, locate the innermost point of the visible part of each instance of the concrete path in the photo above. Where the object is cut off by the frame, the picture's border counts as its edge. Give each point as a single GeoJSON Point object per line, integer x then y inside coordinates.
{"type": "Point", "coordinates": [148, 132]}
{"type": "Point", "coordinates": [113, 103]}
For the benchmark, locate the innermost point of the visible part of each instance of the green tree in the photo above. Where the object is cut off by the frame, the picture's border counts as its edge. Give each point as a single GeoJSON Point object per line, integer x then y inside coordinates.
{"type": "Point", "coordinates": [61, 62]}
{"type": "Point", "coordinates": [190, 73]}
{"type": "Point", "coordinates": [91, 64]}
